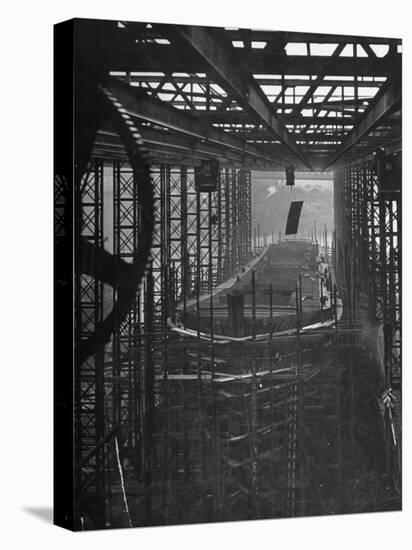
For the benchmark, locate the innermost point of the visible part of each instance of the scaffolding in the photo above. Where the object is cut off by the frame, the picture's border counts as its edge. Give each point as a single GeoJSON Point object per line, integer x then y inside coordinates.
{"type": "Point", "coordinates": [122, 390]}
{"type": "Point", "coordinates": [368, 260]}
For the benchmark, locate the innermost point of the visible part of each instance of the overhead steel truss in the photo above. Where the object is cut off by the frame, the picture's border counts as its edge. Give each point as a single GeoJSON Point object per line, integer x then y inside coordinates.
{"type": "Point", "coordinates": [215, 48]}
{"type": "Point", "coordinates": [299, 98]}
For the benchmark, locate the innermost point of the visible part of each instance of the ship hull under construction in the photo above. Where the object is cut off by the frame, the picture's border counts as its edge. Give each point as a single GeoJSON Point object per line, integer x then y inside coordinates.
{"type": "Point", "coordinates": [288, 287]}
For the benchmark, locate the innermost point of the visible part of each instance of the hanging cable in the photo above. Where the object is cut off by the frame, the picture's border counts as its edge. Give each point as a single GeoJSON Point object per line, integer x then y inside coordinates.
{"type": "Point", "coordinates": [119, 466]}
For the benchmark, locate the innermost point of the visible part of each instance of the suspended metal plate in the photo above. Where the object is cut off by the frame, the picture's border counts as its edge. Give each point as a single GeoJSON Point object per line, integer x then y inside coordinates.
{"type": "Point", "coordinates": [293, 217]}
{"type": "Point", "coordinates": [207, 175]}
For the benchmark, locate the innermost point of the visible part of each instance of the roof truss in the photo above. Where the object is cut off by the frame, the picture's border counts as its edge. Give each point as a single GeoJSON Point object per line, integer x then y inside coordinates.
{"type": "Point", "coordinates": [263, 98]}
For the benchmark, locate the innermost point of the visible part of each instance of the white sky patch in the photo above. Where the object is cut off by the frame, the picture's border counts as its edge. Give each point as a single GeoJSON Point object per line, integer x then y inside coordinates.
{"type": "Point", "coordinates": [307, 185]}
{"type": "Point", "coordinates": [146, 73]}
{"type": "Point", "coordinates": [258, 45]}
{"type": "Point", "coordinates": [368, 92]}
{"type": "Point", "coordinates": [360, 52]}
{"type": "Point", "coordinates": [169, 86]}
{"type": "Point", "coordinates": [301, 90]}
{"type": "Point", "coordinates": [296, 77]}
{"type": "Point", "coordinates": [271, 90]}
{"type": "Point", "coordinates": [380, 49]}
{"type": "Point", "coordinates": [347, 51]}
{"type": "Point", "coordinates": [219, 90]}
{"type": "Point", "coordinates": [339, 78]}
{"type": "Point", "coordinates": [296, 48]}
{"type": "Point", "coordinates": [322, 49]}
{"type": "Point", "coordinates": [321, 92]}
{"type": "Point", "coordinates": [165, 97]}
{"type": "Point", "coordinates": [311, 184]}
{"type": "Point", "coordinates": [267, 76]}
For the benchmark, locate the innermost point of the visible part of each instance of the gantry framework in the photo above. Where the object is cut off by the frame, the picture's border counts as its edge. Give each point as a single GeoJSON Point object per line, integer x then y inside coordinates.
{"type": "Point", "coordinates": [368, 261]}
{"type": "Point", "coordinates": [309, 99]}
{"type": "Point", "coordinates": [147, 436]}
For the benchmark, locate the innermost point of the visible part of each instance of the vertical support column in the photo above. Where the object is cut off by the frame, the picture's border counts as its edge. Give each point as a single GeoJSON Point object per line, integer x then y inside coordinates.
{"type": "Point", "coordinates": [177, 228]}
{"type": "Point", "coordinates": [248, 213]}
{"type": "Point", "coordinates": [254, 503]}
{"type": "Point", "coordinates": [185, 283]}
{"type": "Point", "coordinates": [158, 245]}
{"type": "Point", "coordinates": [192, 230]}
{"type": "Point", "coordinates": [228, 225]}
{"type": "Point", "coordinates": [389, 315]}
{"type": "Point", "coordinates": [165, 248]}
{"type": "Point", "coordinates": [210, 243]}
{"type": "Point", "coordinates": [89, 392]}
{"type": "Point", "coordinates": [368, 232]}
{"type": "Point", "coordinates": [214, 224]}
{"type": "Point", "coordinates": [207, 226]}
{"type": "Point", "coordinates": [241, 217]}
{"type": "Point", "coordinates": [186, 417]}
{"type": "Point", "coordinates": [245, 222]}
{"type": "Point", "coordinates": [203, 227]}
{"type": "Point", "coordinates": [157, 303]}
{"type": "Point", "coordinates": [396, 303]}
{"type": "Point", "coordinates": [148, 400]}
{"type": "Point", "coordinates": [125, 365]}
{"type": "Point", "coordinates": [220, 228]}
{"type": "Point", "coordinates": [371, 198]}
{"type": "Point", "coordinates": [235, 221]}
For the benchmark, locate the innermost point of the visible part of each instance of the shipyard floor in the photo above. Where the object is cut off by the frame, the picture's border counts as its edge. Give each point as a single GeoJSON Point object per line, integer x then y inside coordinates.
{"type": "Point", "coordinates": [282, 426]}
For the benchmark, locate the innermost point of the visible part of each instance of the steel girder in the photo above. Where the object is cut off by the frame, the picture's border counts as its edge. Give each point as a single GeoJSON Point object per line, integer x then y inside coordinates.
{"type": "Point", "coordinates": [140, 105]}
{"type": "Point", "coordinates": [261, 62]}
{"type": "Point", "coordinates": [150, 56]}
{"type": "Point", "coordinates": [238, 84]}
{"type": "Point", "coordinates": [388, 100]}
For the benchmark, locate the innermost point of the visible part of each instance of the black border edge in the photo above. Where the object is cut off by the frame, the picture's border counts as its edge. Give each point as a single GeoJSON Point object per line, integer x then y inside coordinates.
{"type": "Point", "coordinates": [63, 404]}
